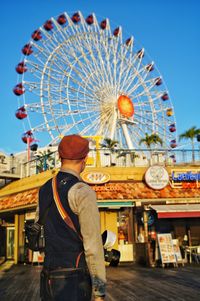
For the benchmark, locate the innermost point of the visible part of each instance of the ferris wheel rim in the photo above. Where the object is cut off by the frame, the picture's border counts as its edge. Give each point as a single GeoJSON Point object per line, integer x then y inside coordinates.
{"type": "Point", "coordinates": [149, 106]}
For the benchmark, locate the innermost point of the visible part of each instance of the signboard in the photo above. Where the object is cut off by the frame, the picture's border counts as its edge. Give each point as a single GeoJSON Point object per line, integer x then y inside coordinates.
{"type": "Point", "coordinates": [185, 178]}
{"type": "Point", "coordinates": [177, 250]}
{"type": "Point", "coordinates": [156, 177]}
{"type": "Point", "coordinates": [166, 248]}
{"type": "Point", "coordinates": [95, 177]}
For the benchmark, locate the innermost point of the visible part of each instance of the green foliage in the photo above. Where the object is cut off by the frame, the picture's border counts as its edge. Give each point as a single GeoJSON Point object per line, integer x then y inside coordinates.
{"type": "Point", "coordinates": [190, 134]}
{"type": "Point", "coordinates": [45, 160]}
{"type": "Point", "coordinates": [109, 144]}
{"type": "Point", "coordinates": [150, 140]}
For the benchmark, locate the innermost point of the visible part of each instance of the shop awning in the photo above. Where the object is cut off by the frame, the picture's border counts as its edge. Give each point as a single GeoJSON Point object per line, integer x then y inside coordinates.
{"type": "Point", "coordinates": [177, 211]}
{"type": "Point", "coordinates": [115, 204]}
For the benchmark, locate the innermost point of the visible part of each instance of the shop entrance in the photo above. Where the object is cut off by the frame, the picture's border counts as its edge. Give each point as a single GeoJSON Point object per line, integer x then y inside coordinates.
{"type": "Point", "coordinates": [125, 234]}
{"type": "Point", "coordinates": [121, 223]}
{"type": "Point", "coordinates": [10, 242]}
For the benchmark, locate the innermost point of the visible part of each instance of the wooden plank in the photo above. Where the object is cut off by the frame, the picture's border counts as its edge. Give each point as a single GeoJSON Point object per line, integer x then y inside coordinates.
{"type": "Point", "coordinates": [127, 282]}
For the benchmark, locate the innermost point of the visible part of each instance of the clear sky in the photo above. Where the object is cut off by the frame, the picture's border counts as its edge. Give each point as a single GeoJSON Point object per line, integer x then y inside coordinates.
{"type": "Point", "coordinates": [168, 30]}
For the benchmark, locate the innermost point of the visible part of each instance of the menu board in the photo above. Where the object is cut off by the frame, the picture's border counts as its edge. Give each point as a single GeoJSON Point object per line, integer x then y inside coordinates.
{"type": "Point", "coordinates": [166, 247]}
{"type": "Point", "coordinates": [177, 250]}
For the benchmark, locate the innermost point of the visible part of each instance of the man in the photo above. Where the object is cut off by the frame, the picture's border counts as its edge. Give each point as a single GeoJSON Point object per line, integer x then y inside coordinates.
{"type": "Point", "coordinates": [74, 260]}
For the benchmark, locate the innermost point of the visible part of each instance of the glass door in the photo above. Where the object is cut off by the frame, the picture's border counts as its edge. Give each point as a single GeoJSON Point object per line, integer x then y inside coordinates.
{"type": "Point", "coordinates": [10, 243]}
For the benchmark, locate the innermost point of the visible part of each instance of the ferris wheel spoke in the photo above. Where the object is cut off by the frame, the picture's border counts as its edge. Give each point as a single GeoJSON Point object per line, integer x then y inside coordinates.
{"type": "Point", "coordinates": [147, 117]}
{"type": "Point", "coordinates": [147, 92]}
{"type": "Point", "coordinates": [50, 41]}
{"type": "Point", "coordinates": [90, 78]}
{"type": "Point", "coordinates": [108, 62]}
{"type": "Point", "coordinates": [94, 51]}
{"type": "Point", "coordinates": [80, 75]}
{"type": "Point", "coordinates": [106, 122]}
{"type": "Point", "coordinates": [43, 127]}
{"type": "Point", "coordinates": [79, 46]}
{"type": "Point", "coordinates": [152, 127]}
{"type": "Point", "coordinates": [85, 121]}
{"type": "Point", "coordinates": [41, 51]}
{"type": "Point", "coordinates": [128, 77]}
{"type": "Point", "coordinates": [105, 70]}
{"type": "Point", "coordinates": [36, 108]}
{"type": "Point", "coordinates": [136, 63]}
{"type": "Point", "coordinates": [111, 54]}
{"type": "Point", "coordinates": [154, 94]}
{"type": "Point", "coordinates": [90, 127]}
{"type": "Point", "coordinates": [123, 66]}
{"type": "Point", "coordinates": [65, 59]}
{"type": "Point", "coordinates": [150, 84]}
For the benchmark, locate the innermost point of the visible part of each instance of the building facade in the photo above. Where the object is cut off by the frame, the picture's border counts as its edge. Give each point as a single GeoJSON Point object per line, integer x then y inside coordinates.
{"type": "Point", "coordinates": [136, 203]}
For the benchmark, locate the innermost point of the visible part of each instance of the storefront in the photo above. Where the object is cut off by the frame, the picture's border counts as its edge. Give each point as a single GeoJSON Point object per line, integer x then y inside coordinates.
{"type": "Point", "coordinates": [133, 205]}
{"type": "Point", "coordinates": [172, 206]}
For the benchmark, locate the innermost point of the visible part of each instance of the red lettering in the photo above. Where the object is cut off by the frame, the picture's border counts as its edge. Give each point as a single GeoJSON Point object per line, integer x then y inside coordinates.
{"type": "Point", "coordinates": [189, 185]}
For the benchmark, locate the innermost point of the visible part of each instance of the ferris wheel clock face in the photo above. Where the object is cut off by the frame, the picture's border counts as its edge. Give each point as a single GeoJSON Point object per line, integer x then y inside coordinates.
{"type": "Point", "coordinates": [80, 75]}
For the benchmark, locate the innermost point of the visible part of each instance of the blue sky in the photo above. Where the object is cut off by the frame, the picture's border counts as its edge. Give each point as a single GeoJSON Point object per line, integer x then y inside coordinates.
{"type": "Point", "coordinates": [168, 30]}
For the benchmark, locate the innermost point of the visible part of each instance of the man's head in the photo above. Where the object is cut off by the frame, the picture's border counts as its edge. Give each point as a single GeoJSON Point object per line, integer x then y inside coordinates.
{"type": "Point", "coordinates": [73, 151]}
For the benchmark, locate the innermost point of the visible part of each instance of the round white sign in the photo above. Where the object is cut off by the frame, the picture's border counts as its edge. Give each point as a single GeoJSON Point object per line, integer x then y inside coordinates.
{"type": "Point", "coordinates": [156, 177]}
{"type": "Point", "coordinates": [95, 177]}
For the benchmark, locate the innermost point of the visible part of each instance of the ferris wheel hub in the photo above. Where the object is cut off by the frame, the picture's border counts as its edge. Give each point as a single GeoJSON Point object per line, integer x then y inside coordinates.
{"type": "Point", "coordinates": [125, 106]}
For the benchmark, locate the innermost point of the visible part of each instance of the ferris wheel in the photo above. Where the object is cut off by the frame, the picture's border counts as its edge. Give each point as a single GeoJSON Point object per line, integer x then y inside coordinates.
{"type": "Point", "coordinates": [78, 75]}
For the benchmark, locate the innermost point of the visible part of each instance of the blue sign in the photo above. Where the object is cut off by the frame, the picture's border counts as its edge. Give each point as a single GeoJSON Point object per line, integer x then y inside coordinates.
{"type": "Point", "coordinates": [186, 176]}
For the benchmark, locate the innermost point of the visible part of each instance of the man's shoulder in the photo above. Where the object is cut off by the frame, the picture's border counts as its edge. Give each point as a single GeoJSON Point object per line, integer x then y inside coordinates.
{"type": "Point", "coordinates": [45, 186]}
{"type": "Point", "coordinates": [82, 186]}
{"type": "Point", "coordinates": [82, 190]}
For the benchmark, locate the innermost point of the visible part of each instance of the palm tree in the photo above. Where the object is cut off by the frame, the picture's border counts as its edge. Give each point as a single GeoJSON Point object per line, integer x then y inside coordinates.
{"type": "Point", "coordinates": [45, 160]}
{"type": "Point", "coordinates": [151, 139]}
{"type": "Point", "coordinates": [124, 153]}
{"type": "Point", "coordinates": [111, 146]}
{"type": "Point", "coordinates": [190, 134]}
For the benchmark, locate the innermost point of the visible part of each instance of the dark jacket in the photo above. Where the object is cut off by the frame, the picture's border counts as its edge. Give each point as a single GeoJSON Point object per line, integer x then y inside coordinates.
{"type": "Point", "coordinates": [63, 246]}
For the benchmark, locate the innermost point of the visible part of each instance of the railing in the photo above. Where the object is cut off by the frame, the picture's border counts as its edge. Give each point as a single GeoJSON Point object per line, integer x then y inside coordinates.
{"type": "Point", "coordinates": [117, 157]}
{"type": "Point", "coordinates": [103, 158]}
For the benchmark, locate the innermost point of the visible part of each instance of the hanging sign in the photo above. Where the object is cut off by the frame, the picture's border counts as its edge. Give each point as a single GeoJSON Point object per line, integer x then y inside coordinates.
{"type": "Point", "coordinates": [156, 177]}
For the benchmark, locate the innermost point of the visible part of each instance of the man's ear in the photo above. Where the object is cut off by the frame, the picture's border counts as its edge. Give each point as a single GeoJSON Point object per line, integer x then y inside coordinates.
{"type": "Point", "coordinates": [85, 159]}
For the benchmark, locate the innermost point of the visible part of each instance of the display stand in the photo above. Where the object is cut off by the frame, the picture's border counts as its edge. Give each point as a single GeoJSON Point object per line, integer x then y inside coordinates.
{"type": "Point", "coordinates": [166, 248]}
{"type": "Point", "coordinates": [177, 252]}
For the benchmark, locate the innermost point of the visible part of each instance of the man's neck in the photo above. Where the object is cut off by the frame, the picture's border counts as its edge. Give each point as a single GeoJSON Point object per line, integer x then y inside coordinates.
{"type": "Point", "coordinates": [73, 167]}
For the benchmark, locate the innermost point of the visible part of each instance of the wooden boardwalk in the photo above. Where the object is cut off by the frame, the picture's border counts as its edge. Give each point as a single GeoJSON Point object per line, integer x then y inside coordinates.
{"type": "Point", "coordinates": [125, 283]}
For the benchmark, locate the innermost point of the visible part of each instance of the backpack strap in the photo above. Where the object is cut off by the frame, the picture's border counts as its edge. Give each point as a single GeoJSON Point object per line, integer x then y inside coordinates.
{"type": "Point", "coordinates": [67, 219]}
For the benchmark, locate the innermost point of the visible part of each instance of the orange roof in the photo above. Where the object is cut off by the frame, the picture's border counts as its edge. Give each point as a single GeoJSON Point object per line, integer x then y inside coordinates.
{"type": "Point", "coordinates": [108, 191]}
{"type": "Point", "coordinates": [140, 190]}
{"type": "Point", "coordinates": [19, 200]}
